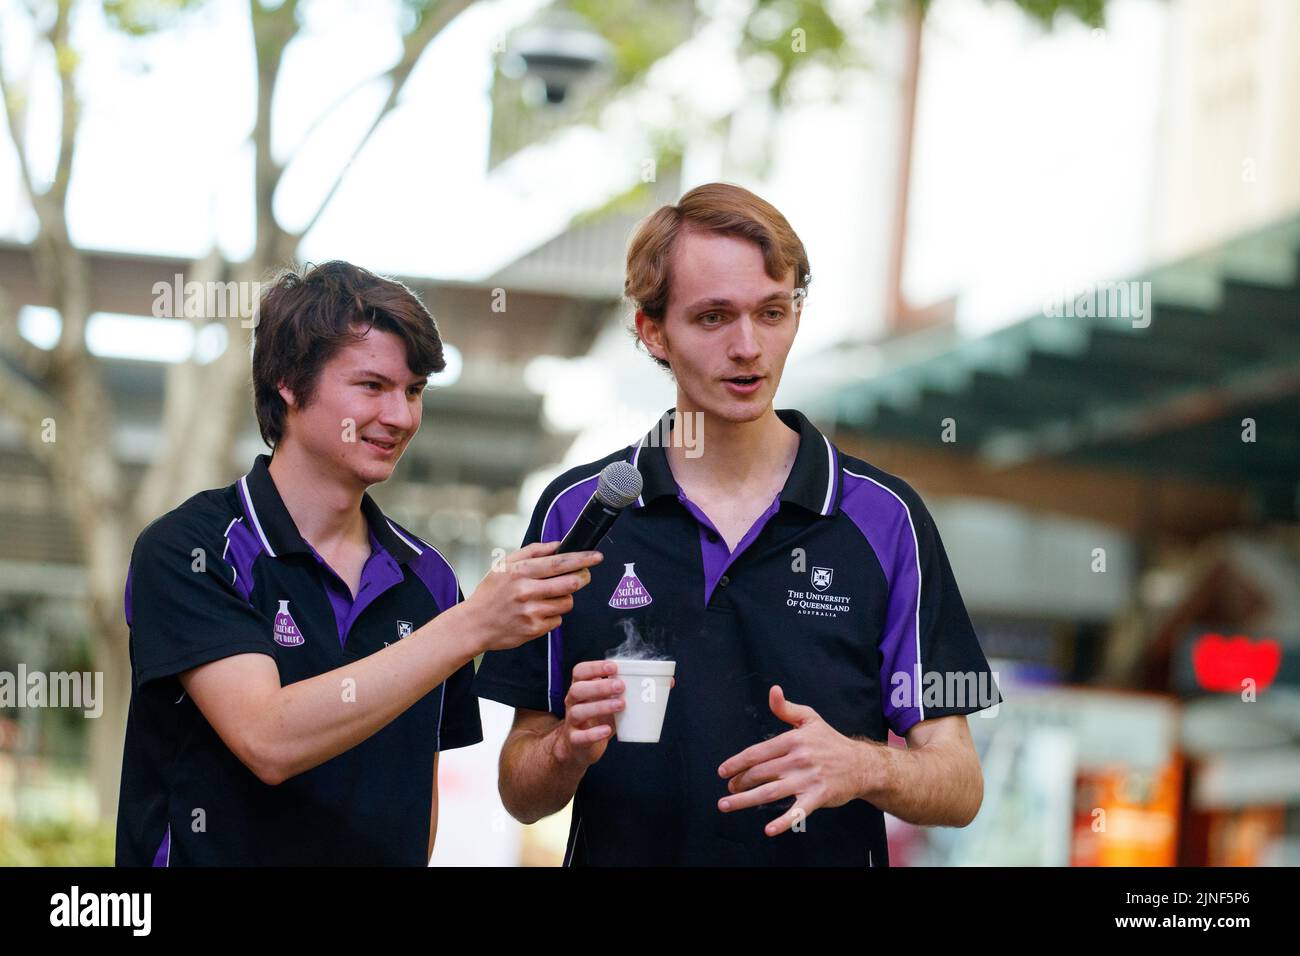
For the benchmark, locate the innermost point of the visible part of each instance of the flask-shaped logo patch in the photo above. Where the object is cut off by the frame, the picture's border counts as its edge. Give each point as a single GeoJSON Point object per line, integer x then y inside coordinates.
{"type": "Point", "coordinates": [630, 592]}
{"type": "Point", "coordinates": [286, 629]}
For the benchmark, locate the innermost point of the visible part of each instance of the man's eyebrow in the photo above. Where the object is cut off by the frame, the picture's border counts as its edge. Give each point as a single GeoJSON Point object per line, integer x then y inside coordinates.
{"type": "Point", "coordinates": [715, 303]}
{"type": "Point", "coordinates": [385, 380]}
{"type": "Point", "coordinates": [709, 304]}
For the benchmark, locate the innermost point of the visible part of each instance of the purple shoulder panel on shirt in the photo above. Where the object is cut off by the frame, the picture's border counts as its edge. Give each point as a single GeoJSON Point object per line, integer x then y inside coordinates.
{"type": "Point", "coordinates": [563, 511]}
{"type": "Point", "coordinates": [885, 521]}
{"type": "Point", "coordinates": [560, 516]}
{"type": "Point", "coordinates": [241, 551]}
{"type": "Point", "coordinates": [436, 573]}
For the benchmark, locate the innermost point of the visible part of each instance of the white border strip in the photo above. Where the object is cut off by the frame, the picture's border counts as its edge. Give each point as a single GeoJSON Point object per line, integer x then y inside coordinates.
{"type": "Point", "coordinates": [437, 737]}
{"type": "Point", "coordinates": [226, 550]}
{"type": "Point", "coordinates": [830, 472]}
{"type": "Point", "coordinates": [573, 844]}
{"type": "Point", "coordinates": [252, 513]}
{"type": "Point", "coordinates": [640, 501]}
{"type": "Point", "coordinates": [411, 544]}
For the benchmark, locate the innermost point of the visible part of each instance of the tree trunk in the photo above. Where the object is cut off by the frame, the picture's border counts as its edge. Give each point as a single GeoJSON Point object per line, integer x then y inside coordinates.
{"type": "Point", "coordinates": [109, 650]}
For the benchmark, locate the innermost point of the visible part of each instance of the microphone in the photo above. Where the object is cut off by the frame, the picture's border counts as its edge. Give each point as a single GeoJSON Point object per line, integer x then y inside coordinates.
{"type": "Point", "coordinates": [619, 486]}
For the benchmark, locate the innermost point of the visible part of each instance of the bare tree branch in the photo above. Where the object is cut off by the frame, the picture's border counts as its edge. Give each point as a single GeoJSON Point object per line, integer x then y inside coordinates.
{"type": "Point", "coordinates": [65, 61]}
{"type": "Point", "coordinates": [413, 47]}
{"type": "Point", "coordinates": [326, 113]}
{"type": "Point", "coordinates": [59, 266]}
{"type": "Point", "coordinates": [16, 117]}
{"type": "Point", "coordinates": [31, 361]}
{"type": "Point", "coordinates": [20, 396]}
{"type": "Point", "coordinates": [30, 407]}
{"type": "Point", "coordinates": [272, 31]}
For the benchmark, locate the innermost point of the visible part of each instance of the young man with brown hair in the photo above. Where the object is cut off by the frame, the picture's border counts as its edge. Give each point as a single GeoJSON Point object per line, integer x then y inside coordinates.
{"type": "Point", "coordinates": [299, 659]}
{"type": "Point", "coordinates": [773, 569]}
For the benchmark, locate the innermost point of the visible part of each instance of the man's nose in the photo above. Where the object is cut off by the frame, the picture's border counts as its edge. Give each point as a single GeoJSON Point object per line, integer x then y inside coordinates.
{"type": "Point", "coordinates": [744, 344]}
{"type": "Point", "coordinates": [397, 412]}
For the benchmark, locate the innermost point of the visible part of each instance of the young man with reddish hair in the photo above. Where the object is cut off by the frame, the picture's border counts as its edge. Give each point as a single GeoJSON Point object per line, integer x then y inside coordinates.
{"type": "Point", "coordinates": [804, 595]}
{"type": "Point", "coordinates": [299, 659]}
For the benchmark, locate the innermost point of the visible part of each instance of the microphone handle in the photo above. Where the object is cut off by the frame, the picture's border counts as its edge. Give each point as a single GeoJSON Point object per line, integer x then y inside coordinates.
{"type": "Point", "coordinates": [592, 524]}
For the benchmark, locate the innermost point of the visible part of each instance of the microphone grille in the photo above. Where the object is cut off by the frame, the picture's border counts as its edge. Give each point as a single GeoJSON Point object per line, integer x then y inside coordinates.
{"type": "Point", "coordinates": [620, 484]}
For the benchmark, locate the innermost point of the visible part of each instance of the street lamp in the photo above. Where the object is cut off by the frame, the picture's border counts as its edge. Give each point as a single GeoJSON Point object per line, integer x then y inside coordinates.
{"type": "Point", "coordinates": [559, 51]}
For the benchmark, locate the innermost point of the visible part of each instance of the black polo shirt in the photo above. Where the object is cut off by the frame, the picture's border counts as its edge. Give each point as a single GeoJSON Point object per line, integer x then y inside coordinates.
{"type": "Point", "coordinates": [228, 573]}
{"type": "Point", "coordinates": [841, 592]}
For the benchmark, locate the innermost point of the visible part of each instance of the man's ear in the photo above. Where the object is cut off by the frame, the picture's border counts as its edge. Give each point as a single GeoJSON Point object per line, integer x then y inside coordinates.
{"type": "Point", "coordinates": [286, 393]}
{"type": "Point", "coordinates": [651, 334]}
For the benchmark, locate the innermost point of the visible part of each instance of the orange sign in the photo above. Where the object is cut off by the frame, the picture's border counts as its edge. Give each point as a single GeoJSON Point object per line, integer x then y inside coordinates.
{"type": "Point", "coordinates": [1127, 817]}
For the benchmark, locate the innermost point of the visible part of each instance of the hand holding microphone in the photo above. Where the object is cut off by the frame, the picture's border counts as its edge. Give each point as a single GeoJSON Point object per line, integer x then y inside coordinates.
{"type": "Point", "coordinates": [619, 486]}
{"type": "Point", "coordinates": [526, 594]}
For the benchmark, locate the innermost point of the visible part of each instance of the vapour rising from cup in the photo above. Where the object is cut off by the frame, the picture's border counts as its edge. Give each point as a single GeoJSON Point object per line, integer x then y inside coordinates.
{"type": "Point", "coordinates": [634, 647]}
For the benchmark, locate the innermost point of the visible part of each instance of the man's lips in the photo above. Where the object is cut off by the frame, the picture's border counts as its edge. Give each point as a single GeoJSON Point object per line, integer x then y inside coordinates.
{"type": "Point", "coordinates": [382, 444]}
{"type": "Point", "coordinates": [743, 384]}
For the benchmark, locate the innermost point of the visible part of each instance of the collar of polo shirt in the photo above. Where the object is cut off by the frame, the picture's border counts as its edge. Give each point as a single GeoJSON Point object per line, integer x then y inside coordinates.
{"type": "Point", "coordinates": [274, 526]}
{"type": "Point", "coordinates": [813, 482]}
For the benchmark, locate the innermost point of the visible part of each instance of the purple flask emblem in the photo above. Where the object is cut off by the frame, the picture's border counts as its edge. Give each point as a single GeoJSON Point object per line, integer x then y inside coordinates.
{"type": "Point", "coordinates": [630, 592]}
{"type": "Point", "coordinates": [286, 629]}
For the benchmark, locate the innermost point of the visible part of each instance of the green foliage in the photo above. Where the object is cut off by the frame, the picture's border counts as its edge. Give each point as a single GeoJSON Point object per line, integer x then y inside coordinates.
{"type": "Point", "coordinates": [640, 33]}
{"type": "Point", "coordinates": [56, 844]}
{"type": "Point", "coordinates": [799, 33]}
{"type": "Point", "coordinates": [795, 34]}
{"type": "Point", "coordinates": [1091, 13]}
{"type": "Point", "coordinates": [142, 17]}
{"type": "Point", "coordinates": [633, 202]}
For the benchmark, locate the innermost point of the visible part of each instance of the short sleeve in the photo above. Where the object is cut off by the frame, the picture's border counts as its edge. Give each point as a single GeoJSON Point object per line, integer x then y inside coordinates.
{"type": "Point", "coordinates": [522, 676]}
{"type": "Point", "coordinates": [459, 724]}
{"type": "Point", "coordinates": [931, 661]}
{"type": "Point", "coordinates": [182, 604]}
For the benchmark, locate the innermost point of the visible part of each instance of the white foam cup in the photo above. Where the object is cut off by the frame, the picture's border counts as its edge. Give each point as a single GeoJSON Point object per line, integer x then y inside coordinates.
{"type": "Point", "coordinates": [645, 699]}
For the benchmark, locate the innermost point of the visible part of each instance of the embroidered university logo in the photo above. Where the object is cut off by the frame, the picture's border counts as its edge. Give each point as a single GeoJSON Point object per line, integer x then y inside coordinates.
{"type": "Point", "coordinates": [818, 602]}
{"type": "Point", "coordinates": [630, 592]}
{"type": "Point", "coordinates": [286, 629]}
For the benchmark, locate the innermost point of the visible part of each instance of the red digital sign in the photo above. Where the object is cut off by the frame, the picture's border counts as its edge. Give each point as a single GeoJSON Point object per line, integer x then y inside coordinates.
{"type": "Point", "coordinates": [1225, 663]}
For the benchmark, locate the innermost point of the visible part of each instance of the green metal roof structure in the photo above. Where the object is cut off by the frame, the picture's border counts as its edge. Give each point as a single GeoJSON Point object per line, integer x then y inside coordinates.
{"type": "Point", "coordinates": [1165, 393]}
